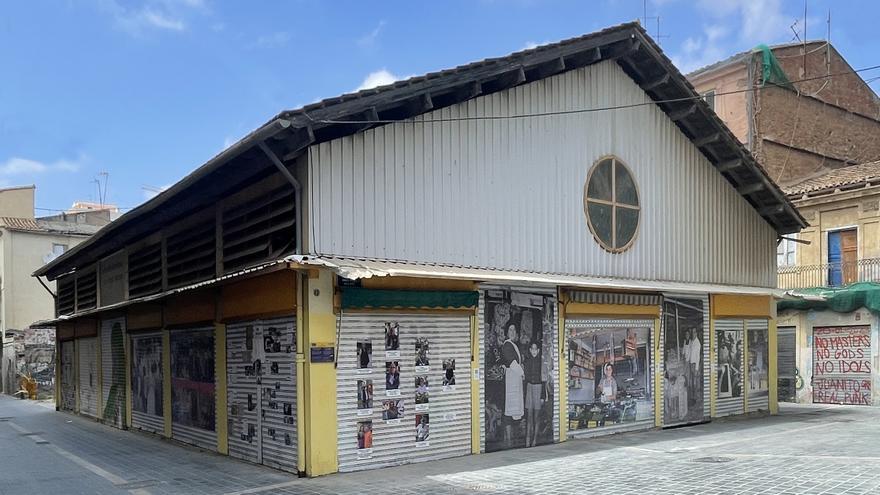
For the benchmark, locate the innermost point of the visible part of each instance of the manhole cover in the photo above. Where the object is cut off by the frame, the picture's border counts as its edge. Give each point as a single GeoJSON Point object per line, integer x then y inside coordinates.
{"type": "Point", "coordinates": [714, 459]}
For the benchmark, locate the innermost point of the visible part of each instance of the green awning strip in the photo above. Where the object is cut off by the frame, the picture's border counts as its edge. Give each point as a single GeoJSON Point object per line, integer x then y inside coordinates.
{"type": "Point", "coordinates": [840, 300]}
{"type": "Point", "coordinates": [358, 298]}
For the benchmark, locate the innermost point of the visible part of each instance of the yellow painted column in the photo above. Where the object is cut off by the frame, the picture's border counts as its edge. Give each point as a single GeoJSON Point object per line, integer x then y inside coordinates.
{"type": "Point", "coordinates": [221, 412]}
{"type": "Point", "coordinates": [658, 375]}
{"type": "Point", "coordinates": [300, 374]}
{"type": "Point", "coordinates": [166, 381]}
{"type": "Point", "coordinates": [745, 365]}
{"type": "Point", "coordinates": [58, 373]}
{"type": "Point", "coordinates": [774, 363]}
{"type": "Point", "coordinates": [563, 379]}
{"type": "Point", "coordinates": [319, 388]}
{"type": "Point", "coordinates": [127, 354]}
{"type": "Point", "coordinates": [713, 369]}
{"type": "Point", "coordinates": [475, 385]}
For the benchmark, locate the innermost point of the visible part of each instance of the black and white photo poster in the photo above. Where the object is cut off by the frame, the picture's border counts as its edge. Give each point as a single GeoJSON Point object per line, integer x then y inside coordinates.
{"type": "Point", "coordinates": [146, 375]}
{"type": "Point", "coordinates": [729, 345]}
{"type": "Point", "coordinates": [519, 369]}
{"type": "Point", "coordinates": [683, 360]}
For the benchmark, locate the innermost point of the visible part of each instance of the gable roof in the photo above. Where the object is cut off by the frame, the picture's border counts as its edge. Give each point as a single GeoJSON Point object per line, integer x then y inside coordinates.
{"type": "Point", "coordinates": [849, 177]}
{"type": "Point", "coordinates": [291, 132]}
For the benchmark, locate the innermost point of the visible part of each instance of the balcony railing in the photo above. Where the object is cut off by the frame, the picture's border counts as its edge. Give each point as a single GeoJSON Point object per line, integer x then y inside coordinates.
{"type": "Point", "coordinates": [829, 274]}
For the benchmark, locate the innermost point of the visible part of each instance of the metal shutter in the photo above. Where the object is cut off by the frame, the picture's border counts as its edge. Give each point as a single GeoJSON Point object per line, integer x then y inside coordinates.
{"type": "Point", "coordinates": [842, 365]}
{"type": "Point", "coordinates": [647, 420]}
{"type": "Point", "coordinates": [147, 383]}
{"type": "Point", "coordinates": [68, 376]}
{"type": "Point", "coordinates": [262, 408]}
{"type": "Point", "coordinates": [448, 408]}
{"type": "Point", "coordinates": [113, 371]}
{"type": "Point", "coordinates": [758, 377]}
{"type": "Point", "coordinates": [88, 376]}
{"type": "Point", "coordinates": [704, 300]}
{"type": "Point", "coordinates": [193, 394]}
{"type": "Point", "coordinates": [787, 363]}
{"type": "Point", "coordinates": [550, 296]}
{"type": "Point", "coordinates": [729, 402]}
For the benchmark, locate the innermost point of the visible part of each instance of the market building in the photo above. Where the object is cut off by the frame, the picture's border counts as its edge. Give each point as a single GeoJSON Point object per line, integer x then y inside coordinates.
{"type": "Point", "coordinates": [561, 242]}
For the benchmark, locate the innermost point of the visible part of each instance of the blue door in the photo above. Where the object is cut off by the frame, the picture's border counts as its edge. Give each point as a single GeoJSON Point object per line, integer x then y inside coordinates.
{"type": "Point", "coordinates": [835, 257]}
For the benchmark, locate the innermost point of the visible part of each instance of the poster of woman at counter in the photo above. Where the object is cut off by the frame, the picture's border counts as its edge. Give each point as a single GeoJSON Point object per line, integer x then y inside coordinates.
{"type": "Point", "coordinates": [609, 379]}
{"type": "Point", "coordinates": [519, 369]}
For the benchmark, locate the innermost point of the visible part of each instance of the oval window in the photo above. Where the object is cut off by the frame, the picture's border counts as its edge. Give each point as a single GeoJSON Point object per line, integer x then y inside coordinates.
{"type": "Point", "coordinates": [611, 203]}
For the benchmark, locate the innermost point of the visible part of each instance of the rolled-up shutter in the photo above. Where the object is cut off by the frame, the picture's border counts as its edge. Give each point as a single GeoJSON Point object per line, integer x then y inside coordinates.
{"type": "Point", "coordinates": [448, 408]}
{"type": "Point", "coordinates": [146, 383]}
{"type": "Point", "coordinates": [88, 376]}
{"type": "Point", "coordinates": [193, 387]}
{"type": "Point", "coordinates": [113, 371]}
{"type": "Point", "coordinates": [68, 376]}
{"type": "Point", "coordinates": [729, 385]}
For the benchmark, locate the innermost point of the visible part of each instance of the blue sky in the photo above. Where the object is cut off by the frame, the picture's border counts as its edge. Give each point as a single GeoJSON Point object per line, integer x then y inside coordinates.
{"type": "Point", "coordinates": [147, 90]}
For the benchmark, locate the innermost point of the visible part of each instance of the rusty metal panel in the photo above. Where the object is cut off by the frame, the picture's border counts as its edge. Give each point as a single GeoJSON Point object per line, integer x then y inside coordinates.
{"type": "Point", "coordinates": [508, 193]}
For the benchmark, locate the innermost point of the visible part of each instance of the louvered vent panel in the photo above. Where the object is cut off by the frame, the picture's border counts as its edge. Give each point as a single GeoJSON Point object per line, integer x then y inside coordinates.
{"type": "Point", "coordinates": [87, 291]}
{"type": "Point", "coordinates": [145, 271]}
{"type": "Point", "coordinates": [191, 255]}
{"type": "Point", "coordinates": [66, 295]}
{"type": "Point", "coordinates": [259, 230]}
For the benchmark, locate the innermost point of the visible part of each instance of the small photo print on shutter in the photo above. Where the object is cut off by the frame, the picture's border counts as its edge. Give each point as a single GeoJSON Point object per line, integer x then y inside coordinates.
{"type": "Point", "coordinates": [392, 411]}
{"type": "Point", "coordinates": [392, 378]}
{"type": "Point", "coordinates": [392, 337]}
{"type": "Point", "coordinates": [365, 354]}
{"type": "Point", "coordinates": [365, 397]}
{"type": "Point", "coordinates": [422, 430]}
{"type": "Point", "coordinates": [365, 439]}
{"type": "Point", "coordinates": [422, 363]}
{"type": "Point", "coordinates": [422, 398]}
{"type": "Point", "coordinates": [448, 374]}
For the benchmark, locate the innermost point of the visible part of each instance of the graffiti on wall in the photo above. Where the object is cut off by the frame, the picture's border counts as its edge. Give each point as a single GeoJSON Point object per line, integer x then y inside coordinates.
{"type": "Point", "coordinates": [842, 365]}
{"type": "Point", "coordinates": [34, 356]}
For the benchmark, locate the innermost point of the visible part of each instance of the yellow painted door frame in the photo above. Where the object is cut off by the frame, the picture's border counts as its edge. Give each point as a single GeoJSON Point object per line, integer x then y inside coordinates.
{"type": "Point", "coordinates": [658, 374]}
{"type": "Point", "coordinates": [76, 373]}
{"type": "Point", "coordinates": [713, 366]}
{"type": "Point", "coordinates": [773, 376]}
{"type": "Point", "coordinates": [127, 364]}
{"type": "Point", "coordinates": [100, 367]}
{"type": "Point", "coordinates": [745, 366]}
{"type": "Point", "coordinates": [300, 374]}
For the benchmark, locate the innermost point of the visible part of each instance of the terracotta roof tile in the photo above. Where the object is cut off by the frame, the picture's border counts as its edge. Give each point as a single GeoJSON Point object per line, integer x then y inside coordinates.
{"type": "Point", "coordinates": [21, 224]}
{"type": "Point", "coordinates": [842, 177]}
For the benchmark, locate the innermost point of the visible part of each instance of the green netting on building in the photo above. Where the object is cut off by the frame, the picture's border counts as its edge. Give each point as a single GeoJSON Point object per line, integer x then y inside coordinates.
{"type": "Point", "coordinates": [840, 300]}
{"type": "Point", "coordinates": [771, 71]}
{"type": "Point", "coordinates": [358, 298]}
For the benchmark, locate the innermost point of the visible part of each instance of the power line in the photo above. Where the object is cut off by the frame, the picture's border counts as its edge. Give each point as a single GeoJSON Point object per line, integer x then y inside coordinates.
{"type": "Point", "coordinates": [579, 110]}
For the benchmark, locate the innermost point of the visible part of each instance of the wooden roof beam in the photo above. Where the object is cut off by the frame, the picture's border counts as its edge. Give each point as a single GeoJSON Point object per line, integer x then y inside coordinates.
{"type": "Point", "coordinates": [729, 165]}
{"type": "Point", "coordinates": [751, 188]}
{"type": "Point", "coordinates": [677, 115]}
{"type": "Point", "coordinates": [655, 83]}
{"type": "Point", "coordinates": [708, 139]}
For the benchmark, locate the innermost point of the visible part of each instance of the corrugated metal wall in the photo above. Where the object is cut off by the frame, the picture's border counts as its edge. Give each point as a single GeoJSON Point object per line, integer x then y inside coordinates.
{"type": "Point", "coordinates": [68, 376]}
{"type": "Point", "coordinates": [602, 323]}
{"type": "Point", "coordinates": [448, 408]}
{"type": "Point", "coordinates": [759, 400]}
{"type": "Point", "coordinates": [262, 398]}
{"type": "Point", "coordinates": [372, 194]}
{"type": "Point", "coordinates": [113, 371]}
{"type": "Point", "coordinates": [146, 383]}
{"type": "Point", "coordinates": [732, 402]}
{"type": "Point", "coordinates": [88, 376]}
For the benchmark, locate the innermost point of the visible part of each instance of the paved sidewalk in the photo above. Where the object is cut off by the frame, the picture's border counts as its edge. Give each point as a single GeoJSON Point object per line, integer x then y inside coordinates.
{"type": "Point", "coordinates": [809, 450]}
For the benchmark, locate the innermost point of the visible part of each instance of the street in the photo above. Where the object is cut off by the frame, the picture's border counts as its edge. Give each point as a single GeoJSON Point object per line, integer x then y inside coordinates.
{"type": "Point", "coordinates": [806, 449]}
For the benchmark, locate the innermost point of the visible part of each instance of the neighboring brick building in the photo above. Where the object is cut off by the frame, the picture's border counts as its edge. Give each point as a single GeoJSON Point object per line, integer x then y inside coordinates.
{"type": "Point", "coordinates": [802, 130]}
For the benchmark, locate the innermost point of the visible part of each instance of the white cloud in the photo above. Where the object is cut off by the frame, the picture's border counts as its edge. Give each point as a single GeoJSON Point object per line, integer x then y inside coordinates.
{"type": "Point", "coordinates": [151, 192]}
{"type": "Point", "coordinates": [380, 77]}
{"type": "Point", "coordinates": [369, 39]}
{"type": "Point", "coordinates": [25, 166]}
{"type": "Point", "coordinates": [272, 40]}
{"type": "Point", "coordinates": [151, 15]}
{"type": "Point", "coordinates": [534, 44]}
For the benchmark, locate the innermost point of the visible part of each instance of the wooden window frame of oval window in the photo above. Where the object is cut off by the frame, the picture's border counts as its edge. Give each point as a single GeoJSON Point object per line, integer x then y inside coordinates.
{"type": "Point", "coordinates": [615, 161]}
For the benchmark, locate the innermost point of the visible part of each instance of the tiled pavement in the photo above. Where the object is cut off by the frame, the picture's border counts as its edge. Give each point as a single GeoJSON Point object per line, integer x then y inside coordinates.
{"type": "Point", "coordinates": [809, 450]}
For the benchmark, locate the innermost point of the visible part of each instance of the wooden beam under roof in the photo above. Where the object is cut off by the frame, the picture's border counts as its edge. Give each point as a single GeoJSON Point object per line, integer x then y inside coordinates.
{"type": "Point", "coordinates": [751, 188]}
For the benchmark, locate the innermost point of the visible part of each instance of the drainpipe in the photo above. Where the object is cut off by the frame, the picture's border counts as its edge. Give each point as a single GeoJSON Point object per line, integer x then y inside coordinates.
{"type": "Point", "coordinates": [296, 187]}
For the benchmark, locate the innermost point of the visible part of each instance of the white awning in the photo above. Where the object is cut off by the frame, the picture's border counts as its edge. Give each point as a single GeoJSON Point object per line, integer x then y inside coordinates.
{"type": "Point", "coordinates": [353, 269]}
